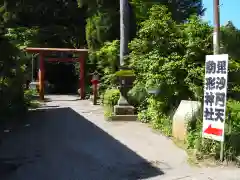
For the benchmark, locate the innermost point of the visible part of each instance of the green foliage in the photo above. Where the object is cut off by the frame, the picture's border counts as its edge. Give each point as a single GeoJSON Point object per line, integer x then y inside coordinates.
{"type": "Point", "coordinates": [30, 94]}
{"type": "Point", "coordinates": [110, 99]}
{"type": "Point", "coordinates": [11, 80]}
{"type": "Point", "coordinates": [170, 57]}
{"type": "Point", "coordinates": [93, 29]}
{"type": "Point", "coordinates": [124, 73]}
{"type": "Point", "coordinates": [198, 44]}
{"type": "Point", "coordinates": [13, 102]}
{"type": "Point", "coordinates": [139, 96]}
{"type": "Point", "coordinates": [161, 59]}
{"type": "Point", "coordinates": [155, 117]}
{"type": "Point", "coordinates": [207, 148]}
{"type": "Point", "coordinates": [105, 61]}
{"type": "Point", "coordinates": [103, 26]}
{"type": "Point", "coordinates": [58, 23]}
{"type": "Point", "coordinates": [230, 37]}
{"type": "Point", "coordinates": [100, 28]}
{"type": "Point", "coordinates": [180, 11]}
{"type": "Point", "coordinates": [233, 110]}
{"type": "Point", "coordinates": [22, 37]}
{"type": "Point", "coordinates": [107, 57]}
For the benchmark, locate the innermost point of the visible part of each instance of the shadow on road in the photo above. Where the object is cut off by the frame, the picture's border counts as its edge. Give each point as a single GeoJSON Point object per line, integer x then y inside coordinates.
{"type": "Point", "coordinates": [60, 144]}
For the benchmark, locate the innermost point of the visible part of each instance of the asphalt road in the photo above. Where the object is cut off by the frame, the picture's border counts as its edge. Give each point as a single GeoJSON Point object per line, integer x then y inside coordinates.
{"type": "Point", "coordinates": [60, 144]}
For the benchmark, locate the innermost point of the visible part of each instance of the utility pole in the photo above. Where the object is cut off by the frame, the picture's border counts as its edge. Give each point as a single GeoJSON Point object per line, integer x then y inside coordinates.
{"type": "Point", "coordinates": [124, 30]}
{"type": "Point", "coordinates": [124, 39]}
{"type": "Point", "coordinates": [216, 34]}
{"type": "Point", "coordinates": [216, 47]}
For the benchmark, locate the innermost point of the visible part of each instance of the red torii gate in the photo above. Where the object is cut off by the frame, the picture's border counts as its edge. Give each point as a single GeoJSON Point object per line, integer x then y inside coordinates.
{"type": "Point", "coordinates": [43, 51]}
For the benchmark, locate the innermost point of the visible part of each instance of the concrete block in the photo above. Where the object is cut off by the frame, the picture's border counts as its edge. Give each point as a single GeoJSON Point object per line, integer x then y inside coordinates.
{"type": "Point", "coordinates": [124, 118]}
{"type": "Point", "coordinates": [123, 110]}
{"type": "Point", "coordinates": [185, 113]}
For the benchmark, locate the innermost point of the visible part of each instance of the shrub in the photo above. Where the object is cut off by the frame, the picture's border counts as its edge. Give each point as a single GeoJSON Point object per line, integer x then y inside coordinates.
{"type": "Point", "coordinates": [30, 98]}
{"type": "Point", "coordinates": [156, 118]}
{"type": "Point", "coordinates": [11, 80]}
{"type": "Point", "coordinates": [105, 61]}
{"type": "Point", "coordinates": [170, 57]}
{"type": "Point", "coordinates": [110, 99]}
{"type": "Point", "coordinates": [207, 148]}
{"type": "Point", "coordinates": [12, 70]}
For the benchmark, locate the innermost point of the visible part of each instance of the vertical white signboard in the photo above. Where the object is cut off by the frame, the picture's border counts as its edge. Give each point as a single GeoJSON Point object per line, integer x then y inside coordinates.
{"type": "Point", "coordinates": [215, 96]}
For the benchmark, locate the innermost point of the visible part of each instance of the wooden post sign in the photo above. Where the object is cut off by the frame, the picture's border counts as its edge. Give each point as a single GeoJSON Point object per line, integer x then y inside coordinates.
{"type": "Point", "coordinates": [215, 96]}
